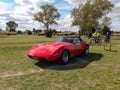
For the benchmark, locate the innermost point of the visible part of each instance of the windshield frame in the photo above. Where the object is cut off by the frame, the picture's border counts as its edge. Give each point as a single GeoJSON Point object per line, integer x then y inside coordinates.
{"type": "Point", "coordinates": [69, 39]}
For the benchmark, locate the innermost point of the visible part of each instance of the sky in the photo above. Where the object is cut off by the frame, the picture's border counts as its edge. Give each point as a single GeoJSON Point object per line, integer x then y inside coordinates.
{"type": "Point", "coordinates": [22, 11]}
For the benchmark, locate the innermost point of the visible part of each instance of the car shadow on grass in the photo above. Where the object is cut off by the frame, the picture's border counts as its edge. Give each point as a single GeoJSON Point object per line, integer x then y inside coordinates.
{"type": "Point", "coordinates": [74, 63]}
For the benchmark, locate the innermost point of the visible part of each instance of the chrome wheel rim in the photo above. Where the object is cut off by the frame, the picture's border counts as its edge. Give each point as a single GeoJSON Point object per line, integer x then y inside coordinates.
{"type": "Point", "coordinates": [65, 56]}
{"type": "Point", "coordinates": [86, 51]}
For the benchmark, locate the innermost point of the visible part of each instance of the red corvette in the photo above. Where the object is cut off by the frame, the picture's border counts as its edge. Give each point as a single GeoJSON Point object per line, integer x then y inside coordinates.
{"type": "Point", "coordinates": [60, 50]}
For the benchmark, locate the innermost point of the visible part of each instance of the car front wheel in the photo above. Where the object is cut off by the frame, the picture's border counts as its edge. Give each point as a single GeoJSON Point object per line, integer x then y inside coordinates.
{"type": "Point", "coordinates": [64, 58]}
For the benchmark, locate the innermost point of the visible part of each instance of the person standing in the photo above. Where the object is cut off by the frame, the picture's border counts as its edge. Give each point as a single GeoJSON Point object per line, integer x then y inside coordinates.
{"type": "Point", "coordinates": [108, 36]}
{"type": "Point", "coordinates": [107, 41]}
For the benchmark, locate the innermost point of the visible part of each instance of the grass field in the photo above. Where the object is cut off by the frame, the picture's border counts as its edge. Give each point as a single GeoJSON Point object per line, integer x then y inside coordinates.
{"type": "Point", "coordinates": [100, 70]}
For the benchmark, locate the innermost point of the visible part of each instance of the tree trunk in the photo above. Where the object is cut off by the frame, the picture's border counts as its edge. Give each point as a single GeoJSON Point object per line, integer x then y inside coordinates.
{"type": "Point", "coordinates": [48, 32]}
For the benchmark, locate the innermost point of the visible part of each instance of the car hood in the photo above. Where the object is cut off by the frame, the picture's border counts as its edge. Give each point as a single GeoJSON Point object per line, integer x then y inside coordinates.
{"type": "Point", "coordinates": [45, 50]}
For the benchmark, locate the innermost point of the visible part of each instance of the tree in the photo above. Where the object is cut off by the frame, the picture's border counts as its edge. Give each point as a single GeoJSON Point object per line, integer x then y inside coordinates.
{"type": "Point", "coordinates": [19, 32]}
{"type": "Point", "coordinates": [47, 15]}
{"type": "Point", "coordinates": [28, 32]}
{"type": "Point", "coordinates": [105, 25]}
{"type": "Point", "coordinates": [11, 26]}
{"type": "Point", "coordinates": [36, 31]}
{"type": "Point", "coordinates": [87, 16]}
{"type": "Point", "coordinates": [105, 30]}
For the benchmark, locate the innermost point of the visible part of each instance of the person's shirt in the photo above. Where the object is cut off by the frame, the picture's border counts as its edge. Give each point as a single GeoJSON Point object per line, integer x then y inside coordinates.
{"type": "Point", "coordinates": [96, 34]}
{"type": "Point", "coordinates": [108, 35]}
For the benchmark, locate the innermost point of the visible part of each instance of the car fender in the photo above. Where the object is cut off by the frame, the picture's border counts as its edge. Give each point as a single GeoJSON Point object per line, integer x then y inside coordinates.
{"type": "Point", "coordinates": [57, 53]}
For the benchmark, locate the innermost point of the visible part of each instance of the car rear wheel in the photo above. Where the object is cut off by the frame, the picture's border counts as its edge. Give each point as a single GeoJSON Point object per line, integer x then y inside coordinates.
{"type": "Point", "coordinates": [86, 51]}
{"type": "Point", "coordinates": [64, 58]}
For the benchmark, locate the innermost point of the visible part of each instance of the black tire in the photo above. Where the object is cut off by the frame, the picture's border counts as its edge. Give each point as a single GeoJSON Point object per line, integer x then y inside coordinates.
{"type": "Point", "coordinates": [92, 42]}
{"type": "Point", "coordinates": [86, 51]}
{"type": "Point", "coordinates": [64, 58]}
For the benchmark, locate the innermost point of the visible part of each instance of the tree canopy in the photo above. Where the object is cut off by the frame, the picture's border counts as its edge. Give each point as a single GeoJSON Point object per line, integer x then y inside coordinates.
{"type": "Point", "coordinates": [11, 26]}
{"type": "Point", "coordinates": [47, 15]}
{"type": "Point", "coordinates": [88, 15]}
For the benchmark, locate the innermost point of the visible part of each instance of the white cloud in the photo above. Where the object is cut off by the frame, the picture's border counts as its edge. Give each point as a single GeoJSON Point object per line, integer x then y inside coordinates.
{"type": "Point", "coordinates": [20, 10]}
{"type": "Point", "coordinates": [26, 2]}
{"type": "Point", "coordinates": [22, 2]}
{"type": "Point", "coordinates": [33, 2]}
{"type": "Point", "coordinates": [117, 5]}
{"type": "Point", "coordinates": [49, 0]}
{"type": "Point", "coordinates": [115, 15]}
{"type": "Point", "coordinates": [65, 25]}
{"type": "Point", "coordinates": [3, 4]}
{"type": "Point", "coordinates": [75, 2]}
{"type": "Point", "coordinates": [4, 13]}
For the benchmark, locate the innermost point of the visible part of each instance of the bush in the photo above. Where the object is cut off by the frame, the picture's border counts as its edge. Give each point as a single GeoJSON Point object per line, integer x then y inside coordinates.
{"type": "Point", "coordinates": [19, 32]}
{"type": "Point", "coordinates": [49, 33]}
{"type": "Point", "coordinates": [28, 32]}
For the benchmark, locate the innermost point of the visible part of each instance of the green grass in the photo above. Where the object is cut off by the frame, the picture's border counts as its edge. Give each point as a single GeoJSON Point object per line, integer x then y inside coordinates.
{"type": "Point", "coordinates": [99, 71]}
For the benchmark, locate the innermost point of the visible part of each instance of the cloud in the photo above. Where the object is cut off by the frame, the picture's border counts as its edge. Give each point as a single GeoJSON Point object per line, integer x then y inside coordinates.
{"type": "Point", "coordinates": [33, 2]}
{"type": "Point", "coordinates": [65, 24]}
{"type": "Point", "coordinates": [117, 5]}
{"type": "Point", "coordinates": [26, 2]}
{"type": "Point", "coordinates": [115, 15]}
{"type": "Point", "coordinates": [49, 0]}
{"type": "Point", "coordinates": [4, 13]}
{"type": "Point", "coordinates": [3, 4]}
{"type": "Point", "coordinates": [75, 2]}
{"type": "Point", "coordinates": [22, 13]}
{"type": "Point", "coordinates": [64, 6]}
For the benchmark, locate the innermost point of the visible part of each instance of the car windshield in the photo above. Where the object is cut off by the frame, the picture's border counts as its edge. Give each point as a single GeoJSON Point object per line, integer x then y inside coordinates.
{"type": "Point", "coordinates": [70, 39]}
{"type": "Point", "coordinates": [65, 39]}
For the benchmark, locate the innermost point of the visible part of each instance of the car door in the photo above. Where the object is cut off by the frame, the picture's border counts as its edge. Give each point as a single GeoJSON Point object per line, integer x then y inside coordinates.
{"type": "Point", "coordinates": [78, 45]}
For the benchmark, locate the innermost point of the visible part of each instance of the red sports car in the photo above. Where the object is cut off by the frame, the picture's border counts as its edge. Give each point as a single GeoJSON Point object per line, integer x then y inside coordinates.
{"type": "Point", "coordinates": [60, 50]}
